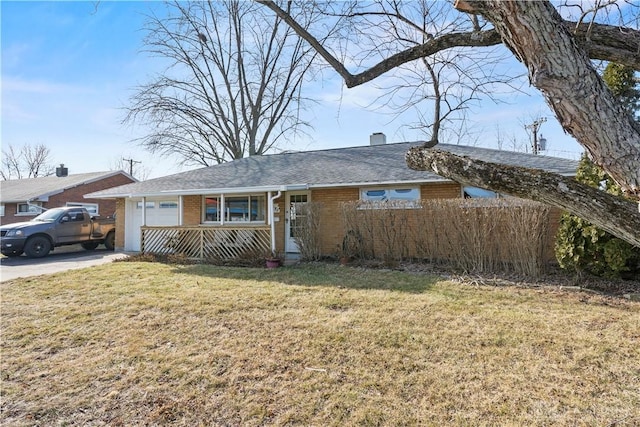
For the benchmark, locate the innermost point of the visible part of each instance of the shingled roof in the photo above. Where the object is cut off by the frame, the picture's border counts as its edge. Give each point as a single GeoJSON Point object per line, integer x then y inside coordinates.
{"type": "Point", "coordinates": [340, 167]}
{"type": "Point", "coordinates": [21, 190]}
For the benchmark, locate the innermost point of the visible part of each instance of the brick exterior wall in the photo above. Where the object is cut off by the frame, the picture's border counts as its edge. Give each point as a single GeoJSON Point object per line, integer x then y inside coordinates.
{"type": "Point", "coordinates": [554, 224]}
{"type": "Point", "coordinates": [192, 210]}
{"type": "Point", "coordinates": [75, 194]}
{"type": "Point", "coordinates": [331, 228]}
{"type": "Point", "coordinates": [120, 224]}
{"type": "Point", "coordinates": [445, 190]}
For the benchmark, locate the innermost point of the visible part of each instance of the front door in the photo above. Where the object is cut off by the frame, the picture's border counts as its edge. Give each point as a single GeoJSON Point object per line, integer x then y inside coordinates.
{"type": "Point", "coordinates": [293, 219]}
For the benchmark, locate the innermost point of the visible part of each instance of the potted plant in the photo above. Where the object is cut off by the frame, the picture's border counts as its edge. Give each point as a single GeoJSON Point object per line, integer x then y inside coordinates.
{"type": "Point", "coordinates": [273, 260]}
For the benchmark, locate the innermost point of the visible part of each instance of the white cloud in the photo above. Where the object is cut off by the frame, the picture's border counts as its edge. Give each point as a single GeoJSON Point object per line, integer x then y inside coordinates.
{"type": "Point", "coordinates": [42, 87]}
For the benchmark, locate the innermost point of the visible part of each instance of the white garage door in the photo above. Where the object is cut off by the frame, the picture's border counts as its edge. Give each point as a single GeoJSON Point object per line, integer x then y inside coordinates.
{"type": "Point", "coordinates": [161, 212]}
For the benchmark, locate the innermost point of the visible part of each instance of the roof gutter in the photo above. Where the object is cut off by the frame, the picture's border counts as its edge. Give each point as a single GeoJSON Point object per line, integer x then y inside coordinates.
{"type": "Point", "coordinates": [200, 191]}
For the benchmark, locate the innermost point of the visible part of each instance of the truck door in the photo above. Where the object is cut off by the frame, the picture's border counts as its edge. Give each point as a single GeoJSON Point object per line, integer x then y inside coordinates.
{"type": "Point", "coordinates": [74, 226]}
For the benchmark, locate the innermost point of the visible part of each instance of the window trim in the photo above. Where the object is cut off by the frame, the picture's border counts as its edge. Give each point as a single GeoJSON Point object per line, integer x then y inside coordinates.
{"type": "Point", "coordinates": [29, 212]}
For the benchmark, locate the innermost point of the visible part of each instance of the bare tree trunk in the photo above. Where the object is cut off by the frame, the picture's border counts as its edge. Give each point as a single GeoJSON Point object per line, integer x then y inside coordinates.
{"type": "Point", "coordinates": [610, 213]}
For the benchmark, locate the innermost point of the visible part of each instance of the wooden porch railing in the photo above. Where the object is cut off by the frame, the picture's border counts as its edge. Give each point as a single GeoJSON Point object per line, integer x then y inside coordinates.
{"type": "Point", "coordinates": [219, 243]}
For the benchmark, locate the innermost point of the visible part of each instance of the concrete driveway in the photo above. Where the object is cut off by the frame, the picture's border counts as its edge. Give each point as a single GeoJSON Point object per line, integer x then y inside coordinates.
{"type": "Point", "coordinates": [61, 259]}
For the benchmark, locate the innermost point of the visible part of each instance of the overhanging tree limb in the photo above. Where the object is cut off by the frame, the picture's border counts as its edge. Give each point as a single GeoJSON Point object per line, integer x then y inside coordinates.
{"type": "Point", "coordinates": [604, 42]}
{"type": "Point", "coordinates": [610, 213]}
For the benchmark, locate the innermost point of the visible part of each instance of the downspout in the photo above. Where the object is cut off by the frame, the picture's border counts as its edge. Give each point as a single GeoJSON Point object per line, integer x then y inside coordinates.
{"type": "Point", "coordinates": [144, 211]}
{"type": "Point", "coordinates": [271, 219]}
{"type": "Point", "coordinates": [144, 222]}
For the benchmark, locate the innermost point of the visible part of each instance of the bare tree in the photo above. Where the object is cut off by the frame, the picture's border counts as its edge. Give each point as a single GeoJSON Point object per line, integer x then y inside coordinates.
{"type": "Point", "coordinates": [439, 88]}
{"type": "Point", "coordinates": [233, 86]}
{"type": "Point", "coordinates": [563, 72]}
{"type": "Point", "coordinates": [30, 161]}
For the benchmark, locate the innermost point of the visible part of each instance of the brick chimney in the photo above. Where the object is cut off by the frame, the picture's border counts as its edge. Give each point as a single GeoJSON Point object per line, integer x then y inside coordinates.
{"type": "Point", "coordinates": [62, 171]}
{"type": "Point", "coordinates": [378, 138]}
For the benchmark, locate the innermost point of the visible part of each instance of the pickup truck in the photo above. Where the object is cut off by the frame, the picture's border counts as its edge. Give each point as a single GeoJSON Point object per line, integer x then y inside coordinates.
{"type": "Point", "coordinates": [56, 227]}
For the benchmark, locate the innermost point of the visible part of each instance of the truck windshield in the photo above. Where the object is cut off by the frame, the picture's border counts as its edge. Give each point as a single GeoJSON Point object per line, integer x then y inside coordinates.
{"type": "Point", "coordinates": [48, 216]}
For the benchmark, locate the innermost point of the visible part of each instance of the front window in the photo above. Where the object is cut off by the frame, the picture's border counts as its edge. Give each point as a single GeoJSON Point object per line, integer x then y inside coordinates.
{"type": "Point", "coordinates": [394, 197]}
{"type": "Point", "coordinates": [246, 208]}
{"type": "Point", "coordinates": [168, 204]}
{"type": "Point", "coordinates": [478, 193]}
{"type": "Point", "coordinates": [29, 208]}
{"type": "Point", "coordinates": [1, 210]}
{"type": "Point", "coordinates": [211, 209]}
{"type": "Point", "coordinates": [147, 205]}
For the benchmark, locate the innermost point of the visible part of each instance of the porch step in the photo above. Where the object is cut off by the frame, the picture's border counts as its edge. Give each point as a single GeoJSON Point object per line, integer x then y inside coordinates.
{"type": "Point", "coordinates": [291, 258]}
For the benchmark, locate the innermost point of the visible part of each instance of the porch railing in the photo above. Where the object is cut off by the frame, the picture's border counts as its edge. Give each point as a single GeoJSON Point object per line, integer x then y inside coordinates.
{"type": "Point", "coordinates": [219, 243]}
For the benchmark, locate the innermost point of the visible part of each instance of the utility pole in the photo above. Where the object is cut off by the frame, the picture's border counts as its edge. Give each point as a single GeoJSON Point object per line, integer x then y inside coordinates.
{"type": "Point", "coordinates": [131, 162]}
{"type": "Point", "coordinates": [535, 126]}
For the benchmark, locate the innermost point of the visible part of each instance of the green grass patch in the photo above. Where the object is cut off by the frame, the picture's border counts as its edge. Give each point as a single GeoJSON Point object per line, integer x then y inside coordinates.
{"type": "Point", "coordinates": [148, 343]}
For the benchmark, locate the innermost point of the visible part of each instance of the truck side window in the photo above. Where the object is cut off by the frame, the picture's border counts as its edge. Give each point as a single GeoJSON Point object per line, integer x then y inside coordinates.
{"type": "Point", "coordinates": [77, 216]}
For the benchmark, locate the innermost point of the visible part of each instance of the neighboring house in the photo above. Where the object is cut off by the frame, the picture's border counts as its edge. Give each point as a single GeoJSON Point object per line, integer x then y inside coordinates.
{"type": "Point", "coordinates": [251, 202]}
{"type": "Point", "coordinates": [23, 199]}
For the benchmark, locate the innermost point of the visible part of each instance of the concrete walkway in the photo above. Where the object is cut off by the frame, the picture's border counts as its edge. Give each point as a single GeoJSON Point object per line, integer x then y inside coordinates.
{"type": "Point", "coordinates": [61, 259]}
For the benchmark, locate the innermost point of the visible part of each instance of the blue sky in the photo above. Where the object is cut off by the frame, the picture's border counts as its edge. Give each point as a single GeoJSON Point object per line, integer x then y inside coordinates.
{"type": "Point", "coordinates": [68, 68]}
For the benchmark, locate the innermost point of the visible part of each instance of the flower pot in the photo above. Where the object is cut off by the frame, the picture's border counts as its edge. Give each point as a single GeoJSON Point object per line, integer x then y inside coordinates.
{"type": "Point", "coordinates": [273, 263]}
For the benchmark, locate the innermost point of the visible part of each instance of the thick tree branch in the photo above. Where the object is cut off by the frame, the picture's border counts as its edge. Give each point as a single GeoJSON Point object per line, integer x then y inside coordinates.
{"type": "Point", "coordinates": [618, 216]}
{"type": "Point", "coordinates": [608, 42]}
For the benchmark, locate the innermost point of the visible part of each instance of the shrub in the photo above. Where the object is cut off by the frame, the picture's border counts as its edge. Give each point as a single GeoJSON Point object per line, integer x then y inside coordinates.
{"type": "Point", "coordinates": [581, 246]}
{"type": "Point", "coordinates": [308, 230]}
{"type": "Point", "coordinates": [471, 235]}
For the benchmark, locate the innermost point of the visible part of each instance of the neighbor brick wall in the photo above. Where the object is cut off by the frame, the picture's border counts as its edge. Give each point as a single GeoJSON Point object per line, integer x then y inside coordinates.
{"type": "Point", "coordinates": [10, 217]}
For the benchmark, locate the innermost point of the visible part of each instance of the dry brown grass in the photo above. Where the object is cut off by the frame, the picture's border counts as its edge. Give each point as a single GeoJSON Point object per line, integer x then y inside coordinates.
{"type": "Point", "coordinates": [152, 344]}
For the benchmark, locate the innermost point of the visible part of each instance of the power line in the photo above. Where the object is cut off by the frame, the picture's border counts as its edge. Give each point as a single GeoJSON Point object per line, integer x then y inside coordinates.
{"type": "Point", "coordinates": [131, 162]}
{"type": "Point", "coordinates": [534, 127]}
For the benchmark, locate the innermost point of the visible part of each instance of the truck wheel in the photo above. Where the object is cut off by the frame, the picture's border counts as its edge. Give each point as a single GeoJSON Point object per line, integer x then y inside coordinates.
{"type": "Point", "coordinates": [110, 240]}
{"type": "Point", "coordinates": [37, 247]}
{"type": "Point", "coordinates": [89, 245]}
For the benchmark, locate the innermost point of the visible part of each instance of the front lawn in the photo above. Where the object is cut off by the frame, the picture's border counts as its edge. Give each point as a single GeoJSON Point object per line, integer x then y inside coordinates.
{"type": "Point", "coordinates": [151, 344]}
